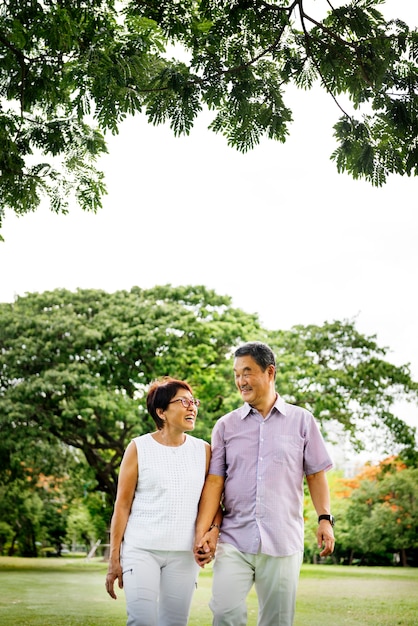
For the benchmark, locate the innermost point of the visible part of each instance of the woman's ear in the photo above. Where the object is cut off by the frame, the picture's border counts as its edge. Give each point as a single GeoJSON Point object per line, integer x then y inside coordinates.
{"type": "Point", "coordinates": [161, 414]}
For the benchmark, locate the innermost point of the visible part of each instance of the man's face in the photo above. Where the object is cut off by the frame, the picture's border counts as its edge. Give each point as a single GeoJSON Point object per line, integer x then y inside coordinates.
{"type": "Point", "coordinates": [253, 384]}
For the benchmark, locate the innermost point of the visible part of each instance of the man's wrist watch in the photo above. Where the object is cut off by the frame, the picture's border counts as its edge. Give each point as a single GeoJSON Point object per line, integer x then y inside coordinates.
{"type": "Point", "coordinates": [329, 518]}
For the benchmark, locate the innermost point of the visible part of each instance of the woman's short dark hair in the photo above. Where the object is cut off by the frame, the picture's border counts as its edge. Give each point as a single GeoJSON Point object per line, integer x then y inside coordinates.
{"type": "Point", "coordinates": [262, 354]}
{"type": "Point", "coordinates": [160, 394]}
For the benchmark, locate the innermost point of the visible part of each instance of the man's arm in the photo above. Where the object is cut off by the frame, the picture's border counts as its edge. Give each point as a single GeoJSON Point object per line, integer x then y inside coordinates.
{"type": "Point", "coordinates": [209, 513]}
{"type": "Point", "coordinates": [319, 490]}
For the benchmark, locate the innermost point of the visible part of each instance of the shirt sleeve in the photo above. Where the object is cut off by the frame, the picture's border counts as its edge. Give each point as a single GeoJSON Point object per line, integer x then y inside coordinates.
{"type": "Point", "coordinates": [316, 457]}
{"type": "Point", "coordinates": [218, 458]}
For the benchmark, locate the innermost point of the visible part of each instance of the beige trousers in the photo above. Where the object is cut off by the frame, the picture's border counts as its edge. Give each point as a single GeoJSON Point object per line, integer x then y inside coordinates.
{"type": "Point", "coordinates": [275, 579]}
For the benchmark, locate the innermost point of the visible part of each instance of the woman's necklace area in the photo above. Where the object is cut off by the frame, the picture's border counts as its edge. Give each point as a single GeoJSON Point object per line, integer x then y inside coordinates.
{"type": "Point", "coordinates": [160, 438]}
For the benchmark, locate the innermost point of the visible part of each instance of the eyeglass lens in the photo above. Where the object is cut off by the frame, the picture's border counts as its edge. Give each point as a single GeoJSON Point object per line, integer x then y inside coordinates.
{"type": "Point", "coordinates": [186, 402]}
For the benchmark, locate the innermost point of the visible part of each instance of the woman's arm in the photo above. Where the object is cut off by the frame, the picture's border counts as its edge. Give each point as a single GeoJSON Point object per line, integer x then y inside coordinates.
{"type": "Point", "coordinates": [128, 478]}
{"type": "Point", "coordinates": [210, 513]}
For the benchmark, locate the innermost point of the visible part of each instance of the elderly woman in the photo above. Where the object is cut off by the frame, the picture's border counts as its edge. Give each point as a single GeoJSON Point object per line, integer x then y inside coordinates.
{"type": "Point", "coordinates": [153, 523]}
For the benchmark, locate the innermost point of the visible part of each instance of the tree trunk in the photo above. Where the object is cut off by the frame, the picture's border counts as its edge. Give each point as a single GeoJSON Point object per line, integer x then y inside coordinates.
{"type": "Point", "coordinates": [11, 550]}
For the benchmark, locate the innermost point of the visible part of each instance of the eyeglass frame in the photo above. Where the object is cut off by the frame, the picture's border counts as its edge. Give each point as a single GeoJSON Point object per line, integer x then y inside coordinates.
{"type": "Point", "coordinates": [193, 401]}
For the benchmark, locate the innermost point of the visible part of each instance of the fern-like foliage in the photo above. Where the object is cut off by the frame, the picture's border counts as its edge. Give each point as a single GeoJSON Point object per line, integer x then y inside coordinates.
{"type": "Point", "coordinates": [69, 72]}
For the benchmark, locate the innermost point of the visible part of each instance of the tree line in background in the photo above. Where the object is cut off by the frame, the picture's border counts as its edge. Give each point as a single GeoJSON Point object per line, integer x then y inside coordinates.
{"type": "Point", "coordinates": [377, 516]}
{"type": "Point", "coordinates": [74, 371]}
{"type": "Point", "coordinates": [72, 71]}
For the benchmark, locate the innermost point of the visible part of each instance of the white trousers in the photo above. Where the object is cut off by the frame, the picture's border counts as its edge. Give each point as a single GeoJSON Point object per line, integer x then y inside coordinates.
{"type": "Point", "coordinates": [275, 579]}
{"type": "Point", "coordinates": [158, 586]}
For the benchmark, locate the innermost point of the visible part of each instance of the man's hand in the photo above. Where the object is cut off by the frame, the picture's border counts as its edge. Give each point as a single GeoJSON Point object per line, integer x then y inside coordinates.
{"type": "Point", "coordinates": [325, 536]}
{"type": "Point", "coordinates": [204, 549]}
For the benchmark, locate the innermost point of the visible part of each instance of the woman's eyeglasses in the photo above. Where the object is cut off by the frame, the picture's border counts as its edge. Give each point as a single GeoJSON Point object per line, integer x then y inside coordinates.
{"type": "Point", "coordinates": [186, 402]}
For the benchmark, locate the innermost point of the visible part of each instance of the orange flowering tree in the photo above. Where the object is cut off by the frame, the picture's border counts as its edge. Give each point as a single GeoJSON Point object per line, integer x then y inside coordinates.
{"type": "Point", "coordinates": [381, 520]}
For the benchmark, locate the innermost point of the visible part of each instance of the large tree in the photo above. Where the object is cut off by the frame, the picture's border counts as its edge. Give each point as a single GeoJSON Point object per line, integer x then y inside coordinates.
{"type": "Point", "coordinates": [75, 367]}
{"type": "Point", "coordinates": [346, 380]}
{"type": "Point", "coordinates": [381, 516]}
{"type": "Point", "coordinates": [72, 70]}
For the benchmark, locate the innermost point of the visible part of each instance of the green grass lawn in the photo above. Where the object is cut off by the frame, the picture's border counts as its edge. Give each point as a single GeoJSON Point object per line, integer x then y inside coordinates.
{"type": "Point", "coordinates": [70, 592]}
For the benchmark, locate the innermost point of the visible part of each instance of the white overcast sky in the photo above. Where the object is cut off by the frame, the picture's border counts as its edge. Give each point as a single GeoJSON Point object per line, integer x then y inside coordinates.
{"type": "Point", "coordinates": [277, 229]}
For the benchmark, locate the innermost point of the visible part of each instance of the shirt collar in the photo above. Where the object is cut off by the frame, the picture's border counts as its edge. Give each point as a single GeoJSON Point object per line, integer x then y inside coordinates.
{"type": "Point", "coordinates": [279, 405]}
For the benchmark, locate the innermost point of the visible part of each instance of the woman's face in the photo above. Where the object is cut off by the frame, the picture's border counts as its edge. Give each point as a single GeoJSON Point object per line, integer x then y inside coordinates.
{"type": "Point", "coordinates": [181, 413]}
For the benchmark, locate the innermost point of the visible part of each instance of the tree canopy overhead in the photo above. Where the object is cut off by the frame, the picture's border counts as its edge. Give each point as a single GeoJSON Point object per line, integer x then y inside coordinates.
{"type": "Point", "coordinates": [72, 70]}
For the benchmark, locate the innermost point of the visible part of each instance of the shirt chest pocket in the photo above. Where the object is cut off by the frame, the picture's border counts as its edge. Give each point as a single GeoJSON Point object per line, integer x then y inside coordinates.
{"type": "Point", "coordinates": [288, 450]}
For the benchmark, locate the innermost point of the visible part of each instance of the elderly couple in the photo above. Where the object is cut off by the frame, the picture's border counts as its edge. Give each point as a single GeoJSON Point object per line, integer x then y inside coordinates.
{"type": "Point", "coordinates": [242, 497]}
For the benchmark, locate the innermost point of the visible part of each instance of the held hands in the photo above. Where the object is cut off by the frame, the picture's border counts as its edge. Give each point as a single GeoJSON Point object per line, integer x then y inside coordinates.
{"type": "Point", "coordinates": [204, 549]}
{"type": "Point", "coordinates": [325, 536]}
{"type": "Point", "coordinates": [114, 573]}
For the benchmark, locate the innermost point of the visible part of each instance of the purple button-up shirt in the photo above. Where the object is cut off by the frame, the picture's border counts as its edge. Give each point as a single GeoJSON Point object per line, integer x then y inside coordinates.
{"type": "Point", "coordinates": [263, 461]}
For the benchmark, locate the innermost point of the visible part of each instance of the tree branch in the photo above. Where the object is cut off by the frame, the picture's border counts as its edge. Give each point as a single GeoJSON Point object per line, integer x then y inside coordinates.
{"type": "Point", "coordinates": [23, 68]}
{"type": "Point", "coordinates": [274, 7]}
{"type": "Point", "coordinates": [312, 57]}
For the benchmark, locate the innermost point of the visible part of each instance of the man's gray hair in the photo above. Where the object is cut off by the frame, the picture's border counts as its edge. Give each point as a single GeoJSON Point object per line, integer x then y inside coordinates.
{"type": "Point", "coordinates": [262, 354]}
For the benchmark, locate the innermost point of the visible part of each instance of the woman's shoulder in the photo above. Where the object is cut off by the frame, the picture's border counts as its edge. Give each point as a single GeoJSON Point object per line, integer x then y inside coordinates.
{"type": "Point", "coordinates": [197, 442]}
{"type": "Point", "coordinates": [141, 440]}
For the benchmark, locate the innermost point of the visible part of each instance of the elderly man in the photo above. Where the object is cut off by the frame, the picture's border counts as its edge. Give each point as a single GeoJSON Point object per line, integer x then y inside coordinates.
{"type": "Point", "coordinates": [260, 454]}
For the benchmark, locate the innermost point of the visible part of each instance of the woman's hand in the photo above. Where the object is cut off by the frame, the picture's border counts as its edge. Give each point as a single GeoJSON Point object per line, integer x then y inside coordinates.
{"type": "Point", "coordinates": [204, 550]}
{"type": "Point", "coordinates": [114, 573]}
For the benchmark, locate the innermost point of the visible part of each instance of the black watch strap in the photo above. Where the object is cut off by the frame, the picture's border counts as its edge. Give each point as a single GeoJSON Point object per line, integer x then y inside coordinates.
{"type": "Point", "coordinates": [329, 518]}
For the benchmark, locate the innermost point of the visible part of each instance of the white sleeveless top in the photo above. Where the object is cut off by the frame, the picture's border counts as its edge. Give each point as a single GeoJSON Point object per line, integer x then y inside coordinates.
{"type": "Point", "coordinates": [170, 481]}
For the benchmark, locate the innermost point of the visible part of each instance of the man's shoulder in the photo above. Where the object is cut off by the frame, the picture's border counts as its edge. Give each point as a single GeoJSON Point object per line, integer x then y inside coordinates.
{"type": "Point", "coordinates": [294, 410]}
{"type": "Point", "coordinates": [235, 414]}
